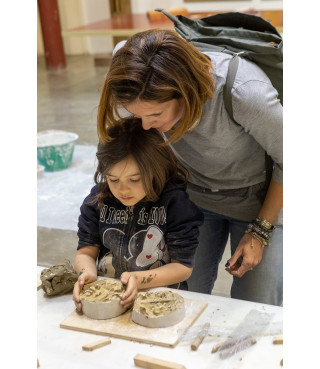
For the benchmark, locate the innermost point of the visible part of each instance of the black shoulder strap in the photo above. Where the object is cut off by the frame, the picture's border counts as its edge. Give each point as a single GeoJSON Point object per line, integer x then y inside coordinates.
{"type": "Point", "coordinates": [227, 97]}
{"type": "Point", "coordinates": [231, 75]}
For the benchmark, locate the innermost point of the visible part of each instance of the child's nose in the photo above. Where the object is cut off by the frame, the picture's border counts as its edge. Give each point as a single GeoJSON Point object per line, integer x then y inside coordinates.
{"type": "Point", "coordinates": [123, 188]}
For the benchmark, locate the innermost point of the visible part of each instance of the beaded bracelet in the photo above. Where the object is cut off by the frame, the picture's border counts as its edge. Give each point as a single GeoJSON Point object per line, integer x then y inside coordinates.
{"type": "Point", "coordinates": [254, 228]}
{"type": "Point", "coordinates": [262, 241]}
{"type": "Point", "coordinates": [261, 230]}
{"type": "Point", "coordinates": [265, 224]}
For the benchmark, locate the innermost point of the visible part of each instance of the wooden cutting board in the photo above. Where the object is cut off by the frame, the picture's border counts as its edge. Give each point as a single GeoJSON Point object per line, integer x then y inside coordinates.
{"type": "Point", "coordinates": [123, 327]}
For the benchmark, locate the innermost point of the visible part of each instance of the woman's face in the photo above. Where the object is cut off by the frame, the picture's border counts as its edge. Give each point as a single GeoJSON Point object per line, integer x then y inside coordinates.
{"type": "Point", "coordinates": [124, 181]}
{"type": "Point", "coordinates": [162, 116]}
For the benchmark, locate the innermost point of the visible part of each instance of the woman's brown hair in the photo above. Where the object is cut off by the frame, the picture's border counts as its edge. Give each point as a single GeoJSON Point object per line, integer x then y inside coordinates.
{"type": "Point", "coordinates": [156, 161]}
{"type": "Point", "coordinates": [158, 66]}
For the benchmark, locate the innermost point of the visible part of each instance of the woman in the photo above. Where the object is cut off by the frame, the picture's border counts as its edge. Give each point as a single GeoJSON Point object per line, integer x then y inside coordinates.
{"type": "Point", "coordinates": [162, 79]}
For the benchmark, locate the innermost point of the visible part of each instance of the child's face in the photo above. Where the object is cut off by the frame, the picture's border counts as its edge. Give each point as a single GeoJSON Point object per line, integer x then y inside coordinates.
{"type": "Point", "coordinates": [125, 182]}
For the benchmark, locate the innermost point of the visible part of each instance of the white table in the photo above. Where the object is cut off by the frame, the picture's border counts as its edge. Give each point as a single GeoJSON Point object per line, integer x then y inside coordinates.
{"type": "Point", "coordinates": [62, 348]}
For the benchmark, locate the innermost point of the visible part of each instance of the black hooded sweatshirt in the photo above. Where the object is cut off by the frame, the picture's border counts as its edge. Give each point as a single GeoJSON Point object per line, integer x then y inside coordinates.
{"type": "Point", "coordinates": [143, 236]}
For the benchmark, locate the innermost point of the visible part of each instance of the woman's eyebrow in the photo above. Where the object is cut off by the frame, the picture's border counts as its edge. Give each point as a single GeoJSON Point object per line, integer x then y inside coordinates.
{"type": "Point", "coordinates": [148, 115]}
{"type": "Point", "coordinates": [129, 175]}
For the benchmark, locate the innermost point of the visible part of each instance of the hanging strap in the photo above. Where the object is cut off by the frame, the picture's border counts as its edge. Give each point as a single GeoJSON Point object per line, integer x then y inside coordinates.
{"type": "Point", "coordinates": [227, 97]}
{"type": "Point", "coordinates": [231, 75]}
{"type": "Point", "coordinates": [185, 31]}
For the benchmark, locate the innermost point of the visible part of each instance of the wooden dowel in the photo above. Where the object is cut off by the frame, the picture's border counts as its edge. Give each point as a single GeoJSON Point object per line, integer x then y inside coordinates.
{"type": "Point", "coordinates": [96, 344]}
{"type": "Point", "coordinates": [233, 344]}
{"type": "Point", "coordinates": [228, 343]}
{"type": "Point", "coordinates": [216, 348]}
{"type": "Point", "coordinates": [278, 340]}
{"type": "Point", "coordinates": [204, 331]}
{"type": "Point", "coordinates": [149, 362]}
{"type": "Point", "coordinates": [230, 350]}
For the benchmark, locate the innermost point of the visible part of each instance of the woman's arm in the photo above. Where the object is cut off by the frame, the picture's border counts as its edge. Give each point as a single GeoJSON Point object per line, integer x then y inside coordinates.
{"type": "Point", "coordinates": [85, 266]}
{"type": "Point", "coordinates": [273, 202]}
{"type": "Point", "coordinates": [249, 248]}
{"type": "Point", "coordinates": [165, 275]}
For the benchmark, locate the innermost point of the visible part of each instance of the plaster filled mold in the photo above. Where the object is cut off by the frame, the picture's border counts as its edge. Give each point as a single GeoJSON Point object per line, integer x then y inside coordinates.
{"type": "Point", "coordinates": [101, 299]}
{"type": "Point", "coordinates": [158, 309]}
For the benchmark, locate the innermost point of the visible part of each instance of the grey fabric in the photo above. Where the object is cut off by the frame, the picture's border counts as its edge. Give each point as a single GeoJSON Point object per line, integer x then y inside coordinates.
{"type": "Point", "coordinates": [222, 155]}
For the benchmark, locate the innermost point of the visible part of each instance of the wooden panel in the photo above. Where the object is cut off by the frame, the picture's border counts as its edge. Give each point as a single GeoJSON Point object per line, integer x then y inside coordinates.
{"type": "Point", "coordinates": [129, 24]}
{"type": "Point", "coordinates": [150, 362]}
{"type": "Point", "coordinates": [97, 344]}
{"type": "Point", "coordinates": [123, 326]}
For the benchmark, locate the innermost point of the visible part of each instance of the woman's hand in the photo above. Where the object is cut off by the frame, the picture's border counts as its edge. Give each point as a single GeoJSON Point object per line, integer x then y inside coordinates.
{"type": "Point", "coordinates": [84, 278]}
{"type": "Point", "coordinates": [250, 251]}
{"type": "Point", "coordinates": [130, 280]}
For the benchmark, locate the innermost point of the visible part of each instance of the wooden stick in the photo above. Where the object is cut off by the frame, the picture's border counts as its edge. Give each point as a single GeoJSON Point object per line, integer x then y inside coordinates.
{"type": "Point", "coordinates": [97, 344]}
{"type": "Point", "coordinates": [204, 331]}
{"type": "Point", "coordinates": [227, 344]}
{"type": "Point", "coordinates": [238, 346]}
{"type": "Point", "coordinates": [232, 344]}
{"type": "Point", "coordinates": [278, 340]}
{"type": "Point", "coordinates": [216, 348]}
{"type": "Point", "coordinates": [149, 362]}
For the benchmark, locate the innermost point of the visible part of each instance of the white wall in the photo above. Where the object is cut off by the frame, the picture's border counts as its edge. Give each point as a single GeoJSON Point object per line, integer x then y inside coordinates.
{"type": "Point", "coordinates": [75, 13]}
{"type": "Point", "coordinates": [94, 11]}
{"type": "Point", "coordinates": [141, 6]}
{"type": "Point", "coordinates": [71, 15]}
{"type": "Point", "coordinates": [40, 50]}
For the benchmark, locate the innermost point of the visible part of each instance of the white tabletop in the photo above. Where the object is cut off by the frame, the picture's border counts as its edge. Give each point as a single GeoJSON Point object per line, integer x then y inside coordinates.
{"type": "Point", "coordinates": [60, 348]}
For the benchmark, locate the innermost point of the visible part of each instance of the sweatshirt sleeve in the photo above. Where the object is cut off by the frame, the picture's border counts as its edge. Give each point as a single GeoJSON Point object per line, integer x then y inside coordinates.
{"type": "Point", "coordinates": [88, 225]}
{"type": "Point", "coordinates": [183, 221]}
{"type": "Point", "coordinates": [258, 110]}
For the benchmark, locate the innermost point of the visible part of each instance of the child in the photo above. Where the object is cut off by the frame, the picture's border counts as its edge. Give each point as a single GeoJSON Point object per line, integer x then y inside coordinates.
{"type": "Point", "coordinates": [140, 212]}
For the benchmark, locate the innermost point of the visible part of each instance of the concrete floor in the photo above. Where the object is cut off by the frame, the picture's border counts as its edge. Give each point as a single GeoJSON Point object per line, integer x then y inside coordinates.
{"type": "Point", "coordinates": [68, 100]}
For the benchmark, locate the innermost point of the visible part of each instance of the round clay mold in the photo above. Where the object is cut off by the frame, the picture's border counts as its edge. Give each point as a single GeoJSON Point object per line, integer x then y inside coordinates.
{"type": "Point", "coordinates": [101, 299]}
{"type": "Point", "coordinates": [158, 309]}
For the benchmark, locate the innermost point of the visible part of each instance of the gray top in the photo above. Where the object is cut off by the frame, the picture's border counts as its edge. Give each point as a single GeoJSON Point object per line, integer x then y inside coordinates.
{"type": "Point", "coordinates": [221, 155]}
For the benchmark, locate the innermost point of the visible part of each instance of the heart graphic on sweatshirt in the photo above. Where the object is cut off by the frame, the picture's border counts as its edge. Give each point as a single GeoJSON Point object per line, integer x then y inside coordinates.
{"type": "Point", "coordinates": [148, 256]}
{"type": "Point", "coordinates": [164, 249]}
{"type": "Point", "coordinates": [149, 236]}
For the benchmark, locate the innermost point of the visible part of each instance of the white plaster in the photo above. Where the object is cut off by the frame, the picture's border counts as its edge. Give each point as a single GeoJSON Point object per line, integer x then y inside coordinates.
{"type": "Point", "coordinates": [60, 194]}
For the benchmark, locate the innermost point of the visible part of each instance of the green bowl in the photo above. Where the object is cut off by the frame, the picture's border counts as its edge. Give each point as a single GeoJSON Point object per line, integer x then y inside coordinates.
{"type": "Point", "coordinates": [55, 149]}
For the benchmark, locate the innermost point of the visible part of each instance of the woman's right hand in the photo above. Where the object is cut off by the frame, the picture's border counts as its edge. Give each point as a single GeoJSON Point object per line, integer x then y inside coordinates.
{"type": "Point", "coordinates": [83, 279]}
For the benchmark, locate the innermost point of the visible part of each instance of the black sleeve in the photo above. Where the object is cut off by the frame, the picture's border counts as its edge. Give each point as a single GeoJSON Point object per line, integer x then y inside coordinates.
{"type": "Point", "coordinates": [88, 225]}
{"type": "Point", "coordinates": [183, 221]}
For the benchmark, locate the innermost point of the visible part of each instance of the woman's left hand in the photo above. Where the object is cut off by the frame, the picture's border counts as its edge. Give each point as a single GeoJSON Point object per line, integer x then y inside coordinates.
{"type": "Point", "coordinates": [130, 280]}
{"type": "Point", "coordinates": [250, 251]}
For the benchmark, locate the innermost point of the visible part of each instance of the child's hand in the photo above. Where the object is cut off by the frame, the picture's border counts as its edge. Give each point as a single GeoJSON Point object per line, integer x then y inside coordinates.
{"type": "Point", "coordinates": [130, 280]}
{"type": "Point", "coordinates": [83, 279]}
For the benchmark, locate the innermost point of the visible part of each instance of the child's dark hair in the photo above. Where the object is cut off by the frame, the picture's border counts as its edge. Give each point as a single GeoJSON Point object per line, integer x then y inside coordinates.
{"type": "Point", "coordinates": [156, 161]}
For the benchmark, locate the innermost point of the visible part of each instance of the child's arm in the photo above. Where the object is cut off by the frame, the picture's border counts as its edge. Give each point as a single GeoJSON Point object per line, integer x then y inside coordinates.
{"type": "Point", "coordinates": [85, 266]}
{"type": "Point", "coordinates": [165, 275]}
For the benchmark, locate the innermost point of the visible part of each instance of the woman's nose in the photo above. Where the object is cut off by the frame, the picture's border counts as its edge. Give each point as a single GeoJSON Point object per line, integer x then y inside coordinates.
{"type": "Point", "coordinates": [146, 123]}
